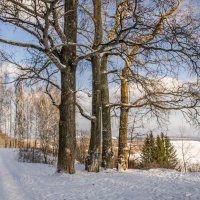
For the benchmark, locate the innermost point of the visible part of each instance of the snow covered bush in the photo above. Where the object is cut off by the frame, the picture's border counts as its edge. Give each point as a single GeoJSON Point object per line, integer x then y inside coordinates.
{"type": "Point", "coordinates": [32, 155]}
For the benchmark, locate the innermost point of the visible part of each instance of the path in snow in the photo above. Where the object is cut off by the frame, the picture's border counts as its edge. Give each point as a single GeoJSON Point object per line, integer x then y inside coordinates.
{"type": "Point", "coordinates": [25, 181]}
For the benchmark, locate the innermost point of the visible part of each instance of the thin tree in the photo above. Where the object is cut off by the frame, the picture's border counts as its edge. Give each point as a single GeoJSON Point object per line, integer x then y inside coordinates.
{"type": "Point", "coordinates": [20, 114]}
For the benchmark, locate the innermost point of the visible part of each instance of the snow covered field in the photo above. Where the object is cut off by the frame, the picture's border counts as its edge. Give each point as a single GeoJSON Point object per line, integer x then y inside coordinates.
{"type": "Point", "coordinates": [188, 150]}
{"type": "Point", "coordinates": [25, 181]}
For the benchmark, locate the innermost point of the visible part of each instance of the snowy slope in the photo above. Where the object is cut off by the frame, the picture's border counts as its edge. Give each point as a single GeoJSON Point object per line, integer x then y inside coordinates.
{"type": "Point", "coordinates": [25, 181]}
{"type": "Point", "coordinates": [189, 150]}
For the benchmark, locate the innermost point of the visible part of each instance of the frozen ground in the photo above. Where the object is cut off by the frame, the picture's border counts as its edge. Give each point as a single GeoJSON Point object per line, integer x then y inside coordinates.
{"type": "Point", "coordinates": [25, 181]}
{"type": "Point", "coordinates": [188, 150]}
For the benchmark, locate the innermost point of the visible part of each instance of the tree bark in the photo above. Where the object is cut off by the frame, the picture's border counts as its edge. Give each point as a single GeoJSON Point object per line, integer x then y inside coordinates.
{"type": "Point", "coordinates": [67, 129]}
{"type": "Point", "coordinates": [67, 125]}
{"type": "Point", "coordinates": [123, 129]}
{"type": "Point", "coordinates": [107, 150]}
{"type": "Point", "coordinates": [20, 126]}
{"type": "Point", "coordinates": [93, 159]}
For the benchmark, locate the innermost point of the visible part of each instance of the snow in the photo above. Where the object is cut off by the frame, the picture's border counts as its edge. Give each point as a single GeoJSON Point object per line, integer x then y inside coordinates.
{"type": "Point", "coordinates": [189, 149]}
{"type": "Point", "coordinates": [26, 181]}
{"type": "Point", "coordinates": [135, 156]}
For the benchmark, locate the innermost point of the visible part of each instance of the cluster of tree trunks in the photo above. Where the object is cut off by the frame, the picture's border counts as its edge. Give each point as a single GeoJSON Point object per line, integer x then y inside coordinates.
{"type": "Point", "coordinates": [100, 99]}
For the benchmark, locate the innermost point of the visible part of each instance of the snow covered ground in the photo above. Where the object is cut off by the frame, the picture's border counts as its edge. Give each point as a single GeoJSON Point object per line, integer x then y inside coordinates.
{"type": "Point", "coordinates": [25, 181]}
{"type": "Point", "coordinates": [188, 150]}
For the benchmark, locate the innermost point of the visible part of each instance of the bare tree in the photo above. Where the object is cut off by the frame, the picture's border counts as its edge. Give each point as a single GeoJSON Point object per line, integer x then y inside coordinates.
{"type": "Point", "coordinates": [93, 159]}
{"type": "Point", "coordinates": [48, 121]}
{"type": "Point", "coordinates": [43, 20]}
{"type": "Point", "coordinates": [155, 42]}
{"type": "Point", "coordinates": [107, 148]}
{"type": "Point", "coordinates": [100, 94]}
{"type": "Point", "coordinates": [2, 90]}
{"type": "Point", "coordinates": [20, 114]}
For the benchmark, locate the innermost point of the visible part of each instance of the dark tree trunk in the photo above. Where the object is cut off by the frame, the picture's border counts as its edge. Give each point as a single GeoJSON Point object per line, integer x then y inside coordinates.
{"type": "Point", "coordinates": [67, 127]}
{"type": "Point", "coordinates": [93, 160]}
{"type": "Point", "coordinates": [107, 150]}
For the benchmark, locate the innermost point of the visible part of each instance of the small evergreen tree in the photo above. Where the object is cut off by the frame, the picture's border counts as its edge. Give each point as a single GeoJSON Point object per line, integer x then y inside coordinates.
{"type": "Point", "coordinates": [146, 151]}
{"type": "Point", "coordinates": [159, 152]}
{"type": "Point", "coordinates": [171, 160]}
{"type": "Point", "coordinates": [152, 148]}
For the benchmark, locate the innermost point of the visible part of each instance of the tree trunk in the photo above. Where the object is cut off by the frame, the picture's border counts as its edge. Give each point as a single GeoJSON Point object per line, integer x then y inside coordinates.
{"type": "Point", "coordinates": [67, 126]}
{"type": "Point", "coordinates": [107, 150]}
{"type": "Point", "coordinates": [20, 114]}
{"type": "Point", "coordinates": [123, 129]}
{"type": "Point", "coordinates": [94, 158]}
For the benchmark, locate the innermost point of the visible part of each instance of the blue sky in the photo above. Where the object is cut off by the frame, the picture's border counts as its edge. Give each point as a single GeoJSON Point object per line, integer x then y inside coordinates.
{"type": "Point", "coordinates": [176, 120]}
{"type": "Point", "coordinates": [11, 33]}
